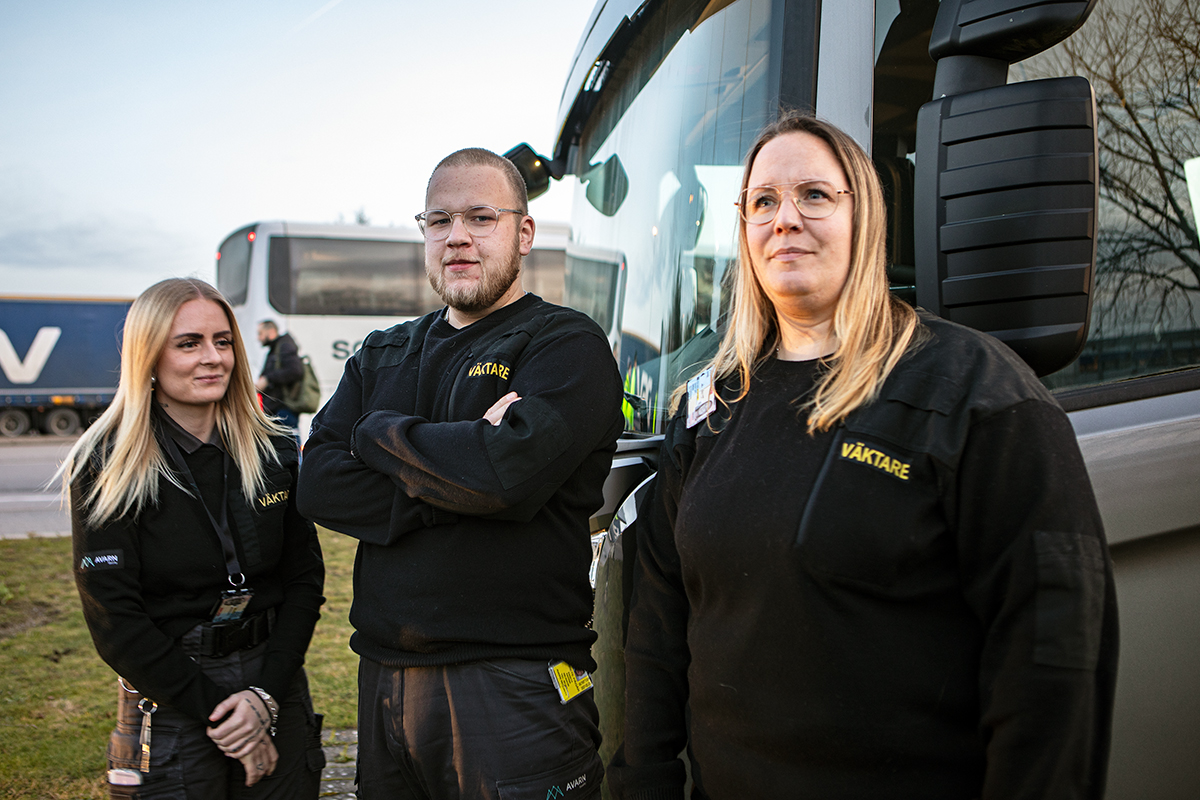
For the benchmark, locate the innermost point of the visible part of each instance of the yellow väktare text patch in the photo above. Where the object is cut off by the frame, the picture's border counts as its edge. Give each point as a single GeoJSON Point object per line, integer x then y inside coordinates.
{"type": "Point", "coordinates": [274, 497]}
{"type": "Point", "coordinates": [489, 368]}
{"type": "Point", "coordinates": [873, 457]}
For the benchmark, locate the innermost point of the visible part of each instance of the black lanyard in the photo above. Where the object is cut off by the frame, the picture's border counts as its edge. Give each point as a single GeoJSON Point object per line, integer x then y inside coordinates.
{"type": "Point", "coordinates": [236, 576]}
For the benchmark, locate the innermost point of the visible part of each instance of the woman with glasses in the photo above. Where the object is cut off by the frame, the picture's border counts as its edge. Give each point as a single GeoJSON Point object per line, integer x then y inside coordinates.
{"type": "Point", "coordinates": [873, 565]}
{"type": "Point", "coordinates": [200, 581]}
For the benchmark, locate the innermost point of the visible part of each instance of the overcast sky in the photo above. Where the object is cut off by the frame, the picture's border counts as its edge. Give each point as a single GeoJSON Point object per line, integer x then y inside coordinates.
{"type": "Point", "coordinates": [134, 136]}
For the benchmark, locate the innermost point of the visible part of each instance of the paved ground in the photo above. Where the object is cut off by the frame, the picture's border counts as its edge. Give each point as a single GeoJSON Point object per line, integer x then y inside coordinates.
{"type": "Point", "coordinates": [28, 506]}
{"type": "Point", "coordinates": [31, 514]}
{"type": "Point", "coordinates": [341, 753]}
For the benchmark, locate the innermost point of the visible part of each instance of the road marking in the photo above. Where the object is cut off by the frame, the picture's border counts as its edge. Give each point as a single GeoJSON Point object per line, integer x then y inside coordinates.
{"type": "Point", "coordinates": [13, 498]}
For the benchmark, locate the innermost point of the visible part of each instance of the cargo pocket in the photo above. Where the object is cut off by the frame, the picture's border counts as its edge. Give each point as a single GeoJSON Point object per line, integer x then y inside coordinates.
{"type": "Point", "coordinates": [1070, 600]}
{"type": "Point", "coordinates": [579, 780]}
{"type": "Point", "coordinates": [124, 747]}
{"type": "Point", "coordinates": [314, 753]}
{"type": "Point", "coordinates": [164, 781]}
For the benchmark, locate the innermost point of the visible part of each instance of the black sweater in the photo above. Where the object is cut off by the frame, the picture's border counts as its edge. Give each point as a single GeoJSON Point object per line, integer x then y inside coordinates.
{"type": "Point", "coordinates": [147, 580]}
{"type": "Point", "coordinates": [917, 604]}
{"type": "Point", "coordinates": [474, 538]}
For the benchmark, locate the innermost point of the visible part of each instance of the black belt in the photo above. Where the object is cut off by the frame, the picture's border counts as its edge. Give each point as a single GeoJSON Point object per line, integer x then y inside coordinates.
{"type": "Point", "coordinates": [222, 638]}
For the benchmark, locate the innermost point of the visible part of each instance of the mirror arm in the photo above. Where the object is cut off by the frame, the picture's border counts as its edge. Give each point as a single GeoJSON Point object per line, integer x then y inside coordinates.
{"type": "Point", "coordinates": [962, 74]}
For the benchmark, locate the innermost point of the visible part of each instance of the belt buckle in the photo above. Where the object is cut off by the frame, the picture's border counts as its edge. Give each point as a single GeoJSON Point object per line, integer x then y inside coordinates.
{"type": "Point", "coordinates": [209, 640]}
{"type": "Point", "coordinates": [235, 636]}
{"type": "Point", "coordinates": [219, 638]}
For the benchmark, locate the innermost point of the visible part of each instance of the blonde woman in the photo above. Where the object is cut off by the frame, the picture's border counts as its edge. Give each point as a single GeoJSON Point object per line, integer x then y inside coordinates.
{"type": "Point", "coordinates": [200, 582]}
{"type": "Point", "coordinates": [874, 566]}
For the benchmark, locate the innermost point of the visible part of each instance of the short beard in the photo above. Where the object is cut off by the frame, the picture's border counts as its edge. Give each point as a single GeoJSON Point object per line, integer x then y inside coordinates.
{"type": "Point", "coordinates": [483, 295]}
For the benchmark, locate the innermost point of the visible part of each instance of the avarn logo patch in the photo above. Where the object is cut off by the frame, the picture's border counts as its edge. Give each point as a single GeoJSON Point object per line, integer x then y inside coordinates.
{"type": "Point", "coordinates": [102, 559]}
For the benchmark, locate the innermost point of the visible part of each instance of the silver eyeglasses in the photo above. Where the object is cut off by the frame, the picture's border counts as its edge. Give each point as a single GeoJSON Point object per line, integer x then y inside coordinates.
{"type": "Point", "coordinates": [759, 205]}
{"type": "Point", "coordinates": [479, 220]}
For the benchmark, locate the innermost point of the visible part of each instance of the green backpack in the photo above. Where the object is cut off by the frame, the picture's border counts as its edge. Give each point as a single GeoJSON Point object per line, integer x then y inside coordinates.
{"type": "Point", "coordinates": [303, 396]}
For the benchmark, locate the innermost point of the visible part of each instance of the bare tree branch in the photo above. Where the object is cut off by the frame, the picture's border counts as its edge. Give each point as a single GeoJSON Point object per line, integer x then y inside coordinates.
{"type": "Point", "coordinates": [1143, 59]}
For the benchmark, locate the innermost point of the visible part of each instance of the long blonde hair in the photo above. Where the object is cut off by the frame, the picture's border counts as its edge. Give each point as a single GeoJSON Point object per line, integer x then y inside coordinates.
{"type": "Point", "coordinates": [121, 443]}
{"type": "Point", "coordinates": [873, 328]}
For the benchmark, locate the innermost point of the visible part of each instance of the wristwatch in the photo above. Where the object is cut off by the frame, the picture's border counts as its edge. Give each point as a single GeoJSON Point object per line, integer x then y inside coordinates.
{"type": "Point", "coordinates": [271, 705]}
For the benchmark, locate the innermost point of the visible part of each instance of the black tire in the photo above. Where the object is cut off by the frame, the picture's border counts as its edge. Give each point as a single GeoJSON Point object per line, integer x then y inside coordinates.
{"type": "Point", "coordinates": [61, 422]}
{"type": "Point", "coordinates": [13, 422]}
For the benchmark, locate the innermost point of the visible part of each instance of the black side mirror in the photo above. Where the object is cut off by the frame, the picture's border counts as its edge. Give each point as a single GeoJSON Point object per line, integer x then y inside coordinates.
{"type": "Point", "coordinates": [1009, 244]}
{"type": "Point", "coordinates": [1007, 30]}
{"type": "Point", "coordinates": [536, 170]}
{"type": "Point", "coordinates": [1007, 179]}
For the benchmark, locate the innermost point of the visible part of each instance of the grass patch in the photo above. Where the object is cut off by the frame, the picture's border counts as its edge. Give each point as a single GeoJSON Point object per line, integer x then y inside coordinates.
{"type": "Point", "coordinates": [332, 666]}
{"type": "Point", "coordinates": [58, 699]}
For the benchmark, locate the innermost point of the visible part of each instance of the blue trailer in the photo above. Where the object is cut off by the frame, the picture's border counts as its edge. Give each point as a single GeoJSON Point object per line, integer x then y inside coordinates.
{"type": "Point", "coordinates": [60, 360]}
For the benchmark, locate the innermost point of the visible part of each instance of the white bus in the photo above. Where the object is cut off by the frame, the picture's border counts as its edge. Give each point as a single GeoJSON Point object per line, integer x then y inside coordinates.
{"type": "Point", "coordinates": [331, 285]}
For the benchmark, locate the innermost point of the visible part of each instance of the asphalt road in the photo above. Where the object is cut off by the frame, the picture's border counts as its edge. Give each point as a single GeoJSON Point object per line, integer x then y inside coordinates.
{"type": "Point", "coordinates": [27, 506]}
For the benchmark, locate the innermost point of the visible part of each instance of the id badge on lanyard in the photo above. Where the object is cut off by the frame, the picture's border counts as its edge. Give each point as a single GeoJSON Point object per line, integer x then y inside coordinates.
{"type": "Point", "coordinates": [232, 602]}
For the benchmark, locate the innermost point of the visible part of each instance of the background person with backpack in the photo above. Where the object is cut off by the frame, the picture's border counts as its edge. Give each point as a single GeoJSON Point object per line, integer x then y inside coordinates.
{"type": "Point", "coordinates": [282, 370]}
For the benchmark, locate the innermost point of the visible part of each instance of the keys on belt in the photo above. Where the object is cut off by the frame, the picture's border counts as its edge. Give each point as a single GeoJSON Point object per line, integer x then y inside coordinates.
{"type": "Point", "coordinates": [147, 707]}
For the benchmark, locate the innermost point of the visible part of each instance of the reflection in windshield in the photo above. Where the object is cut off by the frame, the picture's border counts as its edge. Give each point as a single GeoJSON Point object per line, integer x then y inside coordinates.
{"type": "Point", "coordinates": [1146, 311]}
{"type": "Point", "coordinates": [680, 142]}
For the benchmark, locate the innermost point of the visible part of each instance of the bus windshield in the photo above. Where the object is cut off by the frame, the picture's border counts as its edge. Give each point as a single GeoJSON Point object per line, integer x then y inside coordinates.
{"type": "Point", "coordinates": [351, 277]}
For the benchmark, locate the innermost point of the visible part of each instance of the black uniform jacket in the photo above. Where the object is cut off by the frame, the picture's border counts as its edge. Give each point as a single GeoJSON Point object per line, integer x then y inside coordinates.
{"type": "Point", "coordinates": [283, 367]}
{"type": "Point", "coordinates": [943, 623]}
{"type": "Point", "coordinates": [475, 539]}
{"type": "Point", "coordinates": [146, 580]}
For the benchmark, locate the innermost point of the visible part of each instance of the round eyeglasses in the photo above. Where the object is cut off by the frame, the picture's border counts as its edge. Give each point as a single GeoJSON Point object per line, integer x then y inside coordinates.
{"type": "Point", "coordinates": [479, 221]}
{"type": "Point", "coordinates": [759, 205]}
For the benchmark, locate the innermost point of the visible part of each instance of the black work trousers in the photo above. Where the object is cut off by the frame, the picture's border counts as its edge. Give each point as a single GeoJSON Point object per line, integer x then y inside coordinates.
{"type": "Point", "coordinates": [186, 765]}
{"type": "Point", "coordinates": [493, 730]}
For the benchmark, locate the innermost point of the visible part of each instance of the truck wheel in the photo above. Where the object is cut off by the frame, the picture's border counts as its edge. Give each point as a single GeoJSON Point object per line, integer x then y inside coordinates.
{"type": "Point", "coordinates": [61, 422]}
{"type": "Point", "coordinates": [13, 422]}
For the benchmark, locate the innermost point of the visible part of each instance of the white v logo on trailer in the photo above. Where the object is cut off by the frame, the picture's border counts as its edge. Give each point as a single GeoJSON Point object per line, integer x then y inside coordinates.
{"type": "Point", "coordinates": [27, 370]}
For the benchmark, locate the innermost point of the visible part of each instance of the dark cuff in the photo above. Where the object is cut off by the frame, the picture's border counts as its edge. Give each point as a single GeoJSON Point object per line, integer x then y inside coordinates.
{"type": "Point", "coordinates": [663, 781]}
{"type": "Point", "coordinates": [354, 451]}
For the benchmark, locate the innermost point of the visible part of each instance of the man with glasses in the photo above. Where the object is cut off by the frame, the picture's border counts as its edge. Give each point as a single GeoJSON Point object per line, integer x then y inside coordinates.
{"type": "Point", "coordinates": [466, 450]}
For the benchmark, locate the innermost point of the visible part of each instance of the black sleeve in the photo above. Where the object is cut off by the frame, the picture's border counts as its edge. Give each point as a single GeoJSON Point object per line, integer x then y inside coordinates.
{"type": "Point", "coordinates": [1036, 570]}
{"type": "Point", "coordinates": [570, 403]}
{"type": "Point", "coordinates": [284, 366]}
{"type": "Point", "coordinates": [336, 489]}
{"type": "Point", "coordinates": [656, 649]}
{"type": "Point", "coordinates": [113, 607]}
{"type": "Point", "coordinates": [301, 570]}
